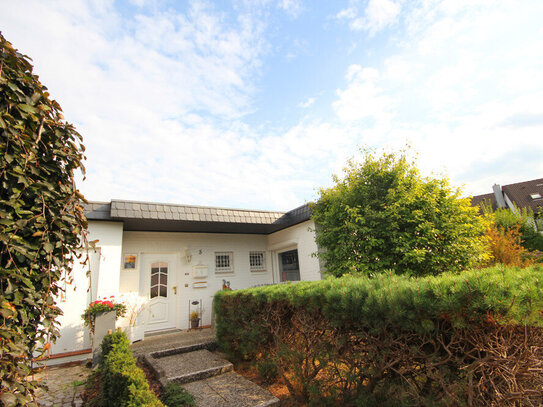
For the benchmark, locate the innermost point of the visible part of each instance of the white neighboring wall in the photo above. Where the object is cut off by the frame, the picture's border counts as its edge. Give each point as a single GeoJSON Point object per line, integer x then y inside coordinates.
{"type": "Point", "coordinates": [110, 242]}
{"type": "Point", "coordinates": [301, 237]}
{"type": "Point", "coordinates": [105, 269]}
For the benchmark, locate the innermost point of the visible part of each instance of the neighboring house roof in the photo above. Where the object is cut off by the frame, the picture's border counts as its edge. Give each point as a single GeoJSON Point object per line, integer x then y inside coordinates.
{"type": "Point", "coordinates": [152, 216]}
{"type": "Point", "coordinates": [527, 194]}
{"type": "Point", "coordinates": [478, 199]}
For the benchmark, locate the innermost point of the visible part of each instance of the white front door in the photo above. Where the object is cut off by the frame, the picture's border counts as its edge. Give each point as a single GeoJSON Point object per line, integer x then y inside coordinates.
{"type": "Point", "coordinates": [159, 282]}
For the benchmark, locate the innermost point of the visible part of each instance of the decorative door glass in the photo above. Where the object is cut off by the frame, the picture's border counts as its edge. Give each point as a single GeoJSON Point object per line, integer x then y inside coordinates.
{"type": "Point", "coordinates": [159, 279]}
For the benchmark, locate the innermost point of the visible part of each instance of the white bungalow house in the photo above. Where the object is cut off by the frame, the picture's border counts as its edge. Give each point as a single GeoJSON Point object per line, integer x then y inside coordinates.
{"type": "Point", "coordinates": [178, 257]}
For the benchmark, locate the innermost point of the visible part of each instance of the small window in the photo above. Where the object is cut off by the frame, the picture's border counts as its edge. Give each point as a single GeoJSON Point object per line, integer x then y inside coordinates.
{"type": "Point", "coordinates": [257, 261]}
{"type": "Point", "coordinates": [535, 195]}
{"type": "Point", "coordinates": [224, 262]}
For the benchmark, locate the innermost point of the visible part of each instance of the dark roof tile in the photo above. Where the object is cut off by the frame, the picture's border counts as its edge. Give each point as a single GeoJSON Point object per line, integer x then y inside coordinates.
{"type": "Point", "coordinates": [148, 216]}
{"type": "Point", "coordinates": [519, 193]}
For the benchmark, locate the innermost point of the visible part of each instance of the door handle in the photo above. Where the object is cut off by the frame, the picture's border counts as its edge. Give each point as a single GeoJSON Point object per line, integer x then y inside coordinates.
{"type": "Point", "coordinates": [175, 289]}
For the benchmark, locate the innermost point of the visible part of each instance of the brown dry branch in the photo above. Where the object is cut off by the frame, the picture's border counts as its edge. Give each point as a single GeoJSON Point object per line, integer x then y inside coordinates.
{"type": "Point", "coordinates": [487, 365]}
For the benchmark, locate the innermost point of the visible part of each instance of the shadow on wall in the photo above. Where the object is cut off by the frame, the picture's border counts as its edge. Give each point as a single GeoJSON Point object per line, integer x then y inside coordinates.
{"type": "Point", "coordinates": [73, 337]}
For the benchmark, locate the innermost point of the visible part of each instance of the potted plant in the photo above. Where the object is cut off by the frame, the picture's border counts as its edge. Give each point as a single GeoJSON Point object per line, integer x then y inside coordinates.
{"type": "Point", "coordinates": [194, 319]}
{"type": "Point", "coordinates": [99, 306]}
{"type": "Point", "coordinates": [135, 305]}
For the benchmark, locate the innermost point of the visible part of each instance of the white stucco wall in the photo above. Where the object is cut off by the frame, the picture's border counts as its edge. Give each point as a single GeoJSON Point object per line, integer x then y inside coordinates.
{"type": "Point", "coordinates": [73, 301]}
{"type": "Point", "coordinates": [104, 263]}
{"type": "Point", "coordinates": [301, 237]}
{"type": "Point", "coordinates": [110, 242]}
{"type": "Point", "coordinates": [108, 277]}
{"type": "Point", "coordinates": [202, 247]}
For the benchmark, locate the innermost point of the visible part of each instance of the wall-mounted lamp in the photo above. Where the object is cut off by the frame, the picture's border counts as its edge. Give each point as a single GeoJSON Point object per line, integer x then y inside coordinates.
{"type": "Point", "coordinates": [188, 256]}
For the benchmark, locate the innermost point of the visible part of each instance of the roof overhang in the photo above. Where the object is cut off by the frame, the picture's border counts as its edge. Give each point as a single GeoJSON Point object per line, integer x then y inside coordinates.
{"type": "Point", "coordinates": [154, 217]}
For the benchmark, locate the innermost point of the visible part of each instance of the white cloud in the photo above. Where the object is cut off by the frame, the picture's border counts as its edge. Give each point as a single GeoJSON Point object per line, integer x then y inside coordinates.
{"type": "Point", "coordinates": [462, 90]}
{"type": "Point", "coordinates": [377, 15]}
{"type": "Point", "coordinates": [291, 7]}
{"type": "Point", "coordinates": [162, 99]}
{"type": "Point", "coordinates": [308, 103]}
{"type": "Point", "coordinates": [362, 98]}
{"type": "Point", "coordinates": [152, 96]}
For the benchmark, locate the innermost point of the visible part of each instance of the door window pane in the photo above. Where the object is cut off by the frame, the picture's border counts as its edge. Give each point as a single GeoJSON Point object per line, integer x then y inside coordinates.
{"type": "Point", "coordinates": [289, 269]}
{"type": "Point", "coordinates": [159, 279]}
{"type": "Point", "coordinates": [164, 279]}
{"type": "Point", "coordinates": [154, 291]}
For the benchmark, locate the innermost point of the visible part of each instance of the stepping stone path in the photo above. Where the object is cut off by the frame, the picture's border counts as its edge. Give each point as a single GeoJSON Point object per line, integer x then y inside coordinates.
{"type": "Point", "coordinates": [187, 358]}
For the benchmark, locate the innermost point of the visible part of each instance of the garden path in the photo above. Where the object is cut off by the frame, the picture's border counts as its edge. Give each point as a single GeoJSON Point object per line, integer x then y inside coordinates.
{"type": "Point", "coordinates": [65, 385]}
{"type": "Point", "coordinates": [189, 359]}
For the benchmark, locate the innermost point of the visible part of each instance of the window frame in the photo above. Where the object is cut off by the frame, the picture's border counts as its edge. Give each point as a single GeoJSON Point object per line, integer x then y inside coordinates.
{"type": "Point", "coordinates": [160, 285]}
{"type": "Point", "coordinates": [224, 269]}
{"type": "Point", "coordinates": [255, 254]}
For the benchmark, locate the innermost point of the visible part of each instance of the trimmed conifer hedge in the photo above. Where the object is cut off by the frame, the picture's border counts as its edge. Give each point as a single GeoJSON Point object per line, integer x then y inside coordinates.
{"type": "Point", "coordinates": [474, 338]}
{"type": "Point", "coordinates": [123, 383]}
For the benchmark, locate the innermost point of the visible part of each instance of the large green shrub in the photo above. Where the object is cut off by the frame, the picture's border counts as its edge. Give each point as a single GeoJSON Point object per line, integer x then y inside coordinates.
{"type": "Point", "coordinates": [123, 382]}
{"type": "Point", "coordinates": [41, 220]}
{"type": "Point", "coordinates": [452, 339]}
{"type": "Point", "coordinates": [384, 215]}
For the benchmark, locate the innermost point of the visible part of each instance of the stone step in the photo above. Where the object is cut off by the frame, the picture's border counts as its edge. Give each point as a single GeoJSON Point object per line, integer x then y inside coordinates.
{"type": "Point", "coordinates": [187, 367]}
{"type": "Point", "coordinates": [210, 345]}
{"type": "Point", "coordinates": [229, 390]}
{"type": "Point", "coordinates": [172, 343]}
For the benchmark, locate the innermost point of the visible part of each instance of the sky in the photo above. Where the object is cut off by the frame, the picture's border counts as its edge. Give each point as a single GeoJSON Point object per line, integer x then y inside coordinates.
{"type": "Point", "coordinates": [256, 103]}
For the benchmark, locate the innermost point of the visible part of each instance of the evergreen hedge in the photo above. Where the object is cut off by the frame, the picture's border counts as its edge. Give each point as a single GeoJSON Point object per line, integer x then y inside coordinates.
{"type": "Point", "coordinates": [123, 383]}
{"type": "Point", "coordinates": [473, 338]}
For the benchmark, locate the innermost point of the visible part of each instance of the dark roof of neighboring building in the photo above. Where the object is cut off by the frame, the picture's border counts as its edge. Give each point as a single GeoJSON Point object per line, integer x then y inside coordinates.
{"type": "Point", "coordinates": [478, 199]}
{"type": "Point", "coordinates": [152, 216]}
{"type": "Point", "coordinates": [520, 194]}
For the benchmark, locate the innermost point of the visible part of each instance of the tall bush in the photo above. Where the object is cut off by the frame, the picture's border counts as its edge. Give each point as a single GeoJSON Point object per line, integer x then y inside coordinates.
{"type": "Point", "coordinates": [41, 219]}
{"type": "Point", "coordinates": [384, 215]}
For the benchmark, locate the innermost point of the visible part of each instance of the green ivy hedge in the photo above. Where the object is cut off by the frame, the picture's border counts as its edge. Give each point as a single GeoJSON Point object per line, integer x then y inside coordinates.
{"type": "Point", "coordinates": [423, 340]}
{"type": "Point", "coordinates": [123, 383]}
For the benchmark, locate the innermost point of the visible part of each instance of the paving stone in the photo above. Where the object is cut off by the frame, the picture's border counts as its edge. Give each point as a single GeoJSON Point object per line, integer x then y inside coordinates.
{"type": "Point", "coordinates": [61, 385]}
{"type": "Point", "coordinates": [176, 340]}
{"type": "Point", "coordinates": [228, 390]}
{"type": "Point", "coordinates": [187, 367]}
{"type": "Point", "coordinates": [184, 357]}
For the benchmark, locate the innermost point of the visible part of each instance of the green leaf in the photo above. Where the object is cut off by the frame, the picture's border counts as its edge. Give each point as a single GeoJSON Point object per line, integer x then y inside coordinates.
{"type": "Point", "coordinates": [27, 108]}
